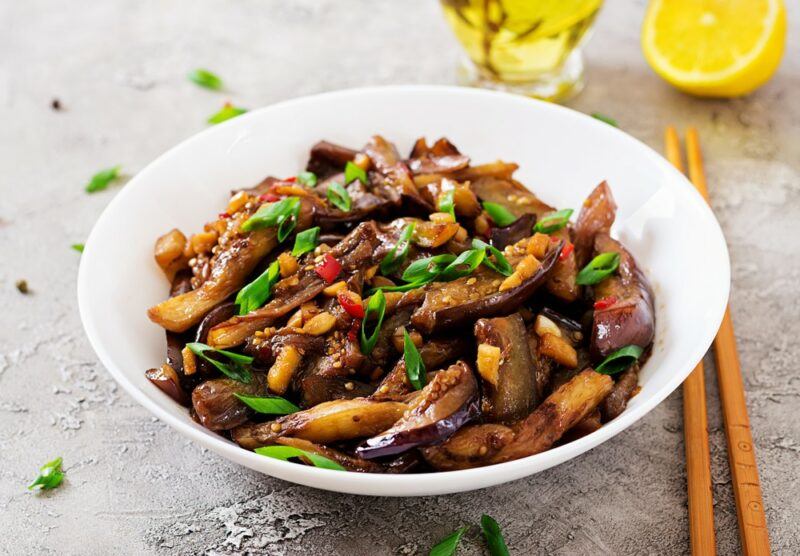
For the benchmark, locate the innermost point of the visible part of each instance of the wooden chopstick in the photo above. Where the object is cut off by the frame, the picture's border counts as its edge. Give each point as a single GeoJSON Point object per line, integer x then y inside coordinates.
{"type": "Point", "coordinates": [741, 452]}
{"type": "Point", "coordinates": [695, 428]}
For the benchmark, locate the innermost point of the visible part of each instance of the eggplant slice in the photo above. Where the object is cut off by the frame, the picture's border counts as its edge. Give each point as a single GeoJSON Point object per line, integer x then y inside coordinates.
{"type": "Point", "coordinates": [597, 216]}
{"type": "Point", "coordinates": [447, 402]}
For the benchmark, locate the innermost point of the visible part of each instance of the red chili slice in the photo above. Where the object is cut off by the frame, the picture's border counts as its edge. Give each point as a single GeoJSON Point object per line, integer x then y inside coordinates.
{"type": "Point", "coordinates": [269, 198]}
{"type": "Point", "coordinates": [605, 303]}
{"type": "Point", "coordinates": [292, 179]}
{"type": "Point", "coordinates": [566, 251]}
{"type": "Point", "coordinates": [353, 308]}
{"type": "Point", "coordinates": [223, 215]}
{"type": "Point", "coordinates": [352, 334]}
{"type": "Point", "coordinates": [329, 268]}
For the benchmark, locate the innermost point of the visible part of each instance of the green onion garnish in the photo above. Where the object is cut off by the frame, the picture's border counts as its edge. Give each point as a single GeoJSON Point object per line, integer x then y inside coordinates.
{"type": "Point", "coordinates": [427, 269]}
{"type": "Point", "coordinates": [102, 179]}
{"type": "Point", "coordinates": [206, 79]}
{"type": "Point", "coordinates": [397, 255]}
{"type": "Point", "coordinates": [79, 247]}
{"type": "Point", "coordinates": [603, 118]}
{"type": "Point", "coordinates": [354, 172]}
{"type": "Point", "coordinates": [305, 241]}
{"type": "Point", "coordinates": [50, 476]}
{"type": "Point", "coordinates": [254, 294]}
{"type": "Point", "coordinates": [236, 369]}
{"type": "Point", "coordinates": [376, 307]}
{"type": "Point", "coordinates": [307, 178]}
{"type": "Point", "coordinates": [415, 368]}
{"type": "Point", "coordinates": [287, 452]}
{"type": "Point", "coordinates": [402, 287]}
{"type": "Point", "coordinates": [447, 203]}
{"type": "Point", "coordinates": [493, 536]}
{"type": "Point", "coordinates": [447, 546]}
{"type": "Point", "coordinates": [598, 269]}
{"type": "Point", "coordinates": [269, 405]}
{"type": "Point", "coordinates": [553, 221]}
{"type": "Point", "coordinates": [499, 214]}
{"type": "Point", "coordinates": [464, 265]}
{"type": "Point", "coordinates": [227, 112]}
{"type": "Point", "coordinates": [273, 214]}
{"type": "Point", "coordinates": [500, 264]}
{"type": "Point", "coordinates": [619, 360]}
{"type": "Point", "coordinates": [338, 197]}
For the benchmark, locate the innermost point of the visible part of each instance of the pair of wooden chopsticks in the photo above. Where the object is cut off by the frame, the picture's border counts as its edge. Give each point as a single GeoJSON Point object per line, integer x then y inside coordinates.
{"type": "Point", "coordinates": [741, 454]}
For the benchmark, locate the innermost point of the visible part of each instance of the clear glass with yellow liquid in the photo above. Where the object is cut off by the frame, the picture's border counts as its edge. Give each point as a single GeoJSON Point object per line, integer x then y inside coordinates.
{"type": "Point", "coordinates": [531, 47]}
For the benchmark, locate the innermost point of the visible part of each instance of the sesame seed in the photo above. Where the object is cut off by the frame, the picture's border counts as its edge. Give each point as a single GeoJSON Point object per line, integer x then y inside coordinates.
{"type": "Point", "coordinates": [275, 427]}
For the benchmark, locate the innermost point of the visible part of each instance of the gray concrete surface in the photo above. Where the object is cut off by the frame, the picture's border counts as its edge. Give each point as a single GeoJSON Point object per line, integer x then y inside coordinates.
{"type": "Point", "coordinates": [135, 486]}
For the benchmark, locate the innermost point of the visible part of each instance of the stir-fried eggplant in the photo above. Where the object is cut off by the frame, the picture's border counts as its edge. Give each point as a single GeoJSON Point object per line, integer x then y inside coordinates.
{"type": "Point", "coordinates": [378, 313]}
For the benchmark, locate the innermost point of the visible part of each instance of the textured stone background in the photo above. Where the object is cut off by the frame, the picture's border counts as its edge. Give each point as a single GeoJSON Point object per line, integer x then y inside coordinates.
{"type": "Point", "coordinates": [136, 487]}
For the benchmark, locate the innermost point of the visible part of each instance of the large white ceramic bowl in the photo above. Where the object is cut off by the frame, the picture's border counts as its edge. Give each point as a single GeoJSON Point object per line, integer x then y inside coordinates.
{"type": "Point", "coordinates": [562, 155]}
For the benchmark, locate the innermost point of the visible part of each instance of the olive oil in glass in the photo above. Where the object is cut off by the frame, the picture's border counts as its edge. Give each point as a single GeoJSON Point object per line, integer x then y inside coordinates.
{"type": "Point", "coordinates": [525, 46]}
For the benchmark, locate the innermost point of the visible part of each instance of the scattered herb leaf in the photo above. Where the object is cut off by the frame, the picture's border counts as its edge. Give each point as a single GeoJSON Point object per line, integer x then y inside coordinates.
{"type": "Point", "coordinates": [499, 214]}
{"type": "Point", "coordinates": [598, 269]}
{"type": "Point", "coordinates": [227, 112]}
{"type": "Point", "coordinates": [307, 178]}
{"type": "Point", "coordinates": [305, 241]}
{"type": "Point", "coordinates": [287, 452]}
{"type": "Point", "coordinates": [354, 172]}
{"type": "Point", "coordinates": [268, 405]}
{"type": "Point", "coordinates": [339, 197]}
{"type": "Point", "coordinates": [206, 79]}
{"type": "Point", "coordinates": [603, 118]}
{"type": "Point", "coordinates": [270, 215]}
{"type": "Point", "coordinates": [79, 247]}
{"type": "Point", "coordinates": [500, 264]}
{"type": "Point", "coordinates": [102, 179]}
{"type": "Point", "coordinates": [376, 307]}
{"type": "Point", "coordinates": [464, 265]}
{"type": "Point", "coordinates": [447, 546]}
{"type": "Point", "coordinates": [427, 269]}
{"type": "Point", "coordinates": [50, 476]}
{"type": "Point", "coordinates": [235, 370]}
{"type": "Point", "coordinates": [415, 368]}
{"type": "Point", "coordinates": [447, 203]}
{"type": "Point", "coordinates": [619, 360]}
{"type": "Point", "coordinates": [254, 294]}
{"type": "Point", "coordinates": [553, 222]}
{"type": "Point", "coordinates": [493, 536]}
{"type": "Point", "coordinates": [397, 255]}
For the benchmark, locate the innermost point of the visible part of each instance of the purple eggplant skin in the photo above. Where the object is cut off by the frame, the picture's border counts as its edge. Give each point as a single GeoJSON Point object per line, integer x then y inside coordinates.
{"type": "Point", "coordinates": [522, 227]}
{"type": "Point", "coordinates": [596, 217]}
{"type": "Point", "coordinates": [514, 396]}
{"type": "Point", "coordinates": [446, 403]}
{"type": "Point", "coordinates": [327, 158]}
{"type": "Point", "coordinates": [441, 315]}
{"type": "Point", "coordinates": [218, 314]}
{"type": "Point", "coordinates": [631, 319]}
{"type": "Point", "coordinates": [216, 406]}
{"type": "Point", "coordinates": [168, 381]}
{"type": "Point", "coordinates": [317, 389]}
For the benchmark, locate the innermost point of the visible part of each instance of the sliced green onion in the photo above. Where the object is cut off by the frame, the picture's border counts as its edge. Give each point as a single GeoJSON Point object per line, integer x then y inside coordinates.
{"type": "Point", "coordinates": [500, 264]}
{"type": "Point", "coordinates": [227, 112]}
{"type": "Point", "coordinates": [603, 118]}
{"type": "Point", "coordinates": [272, 215]}
{"type": "Point", "coordinates": [447, 546]}
{"type": "Point", "coordinates": [447, 203]}
{"type": "Point", "coordinates": [79, 247]}
{"type": "Point", "coordinates": [287, 225]}
{"type": "Point", "coordinates": [499, 214]}
{"type": "Point", "coordinates": [235, 370]}
{"type": "Point", "coordinates": [402, 287]}
{"type": "Point", "coordinates": [397, 255]}
{"type": "Point", "coordinates": [598, 269]}
{"type": "Point", "coordinates": [376, 307]}
{"type": "Point", "coordinates": [619, 360]}
{"type": "Point", "coordinates": [339, 197]}
{"type": "Point", "coordinates": [464, 265]}
{"type": "Point", "coordinates": [354, 172]}
{"type": "Point", "coordinates": [206, 79]}
{"type": "Point", "coordinates": [553, 221]}
{"type": "Point", "coordinates": [305, 241]}
{"type": "Point", "coordinates": [287, 452]}
{"type": "Point", "coordinates": [269, 405]}
{"type": "Point", "coordinates": [415, 368]}
{"type": "Point", "coordinates": [493, 536]}
{"type": "Point", "coordinates": [254, 294]}
{"type": "Point", "coordinates": [102, 179]}
{"type": "Point", "coordinates": [50, 476]}
{"type": "Point", "coordinates": [307, 178]}
{"type": "Point", "coordinates": [427, 269]}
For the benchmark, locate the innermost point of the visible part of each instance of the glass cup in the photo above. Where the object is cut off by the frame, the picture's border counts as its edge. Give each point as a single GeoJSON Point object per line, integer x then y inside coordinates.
{"type": "Point", "coordinates": [530, 47]}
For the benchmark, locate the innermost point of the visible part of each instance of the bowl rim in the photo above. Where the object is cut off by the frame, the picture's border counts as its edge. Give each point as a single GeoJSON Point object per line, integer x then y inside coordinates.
{"type": "Point", "coordinates": [418, 484]}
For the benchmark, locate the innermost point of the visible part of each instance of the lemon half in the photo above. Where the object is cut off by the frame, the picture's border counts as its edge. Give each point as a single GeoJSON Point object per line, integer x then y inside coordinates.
{"type": "Point", "coordinates": [718, 48]}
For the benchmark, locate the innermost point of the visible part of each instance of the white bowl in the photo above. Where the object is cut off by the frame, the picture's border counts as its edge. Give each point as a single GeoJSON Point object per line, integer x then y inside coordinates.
{"type": "Point", "coordinates": [562, 155]}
